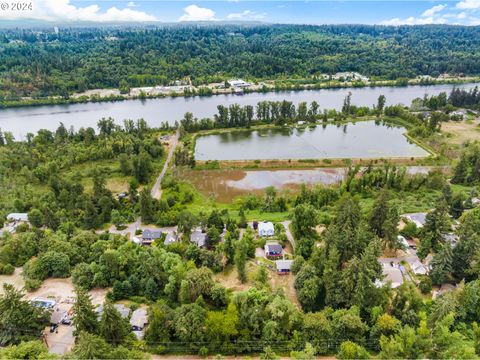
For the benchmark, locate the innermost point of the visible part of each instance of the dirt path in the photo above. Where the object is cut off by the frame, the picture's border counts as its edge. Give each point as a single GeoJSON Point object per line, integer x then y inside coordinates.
{"type": "Point", "coordinates": [156, 189]}
{"type": "Point", "coordinates": [286, 225]}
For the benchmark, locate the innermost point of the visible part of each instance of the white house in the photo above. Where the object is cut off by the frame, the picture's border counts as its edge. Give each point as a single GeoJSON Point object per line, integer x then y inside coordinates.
{"type": "Point", "coordinates": [238, 83]}
{"type": "Point", "coordinates": [266, 228]}
{"type": "Point", "coordinates": [17, 217]}
{"type": "Point", "coordinates": [417, 267]}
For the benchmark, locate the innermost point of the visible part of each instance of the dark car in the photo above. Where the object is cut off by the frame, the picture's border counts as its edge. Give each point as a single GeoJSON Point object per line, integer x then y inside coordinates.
{"type": "Point", "coordinates": [54, 328]}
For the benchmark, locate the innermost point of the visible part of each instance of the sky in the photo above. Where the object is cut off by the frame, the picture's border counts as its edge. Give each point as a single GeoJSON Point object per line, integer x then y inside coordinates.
{"type": "Point", "coordinates": [386, 12]}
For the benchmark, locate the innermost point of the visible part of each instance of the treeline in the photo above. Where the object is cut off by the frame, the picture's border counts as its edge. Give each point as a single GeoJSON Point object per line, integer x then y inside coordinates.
{"type": "Point", "coordinates": [277, 113]}
{"type": "Point", "coordinates": [469, 99]}
{"type": "Point", "coordinates": [40, 62]}
{"type": "Point", "coordinates": [34, 171]}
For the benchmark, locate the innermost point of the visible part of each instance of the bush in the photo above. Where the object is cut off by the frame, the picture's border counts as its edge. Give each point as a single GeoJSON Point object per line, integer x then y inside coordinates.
{"type": "Point", "coordinates": [410, 230]}
{"type": "Point", "coordinates": [350, 350]}
{"type": "Point", "coordinates": [49, 264]}
{"type": "Point", "coordinates": [32, 284]}
{"type": "Point", "coordinates": [6, 269]}
{"type": "Point", "coordinates": [425, 285]}
{"type": "Point", "coordinates": [203, 352]}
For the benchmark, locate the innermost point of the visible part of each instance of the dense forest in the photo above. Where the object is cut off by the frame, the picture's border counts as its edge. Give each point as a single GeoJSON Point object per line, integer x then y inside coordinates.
{"type": "Point", "coordinates": [42, 62]}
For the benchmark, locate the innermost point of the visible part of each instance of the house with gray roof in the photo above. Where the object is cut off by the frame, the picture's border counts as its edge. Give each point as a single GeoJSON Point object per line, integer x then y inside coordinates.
{"type": "Point", "coordinates": [199, 238]}
{"type": "Point", "coordinates": [283, 266]}
{"type": "Point", "coordinates": [171, 238]}
{"type": "Point", "coordinates": [419, 219]}
{"type": "Point", "coordinates": [149, 236]}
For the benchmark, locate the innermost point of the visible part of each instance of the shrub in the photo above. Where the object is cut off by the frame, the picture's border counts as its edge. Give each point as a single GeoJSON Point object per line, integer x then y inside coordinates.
{"type": "Point", "coordinates": [425, 285]}
{"type": "Point", "coordinates": [350, 350]}
{"type": "Point", "coordinates": [6, 269]}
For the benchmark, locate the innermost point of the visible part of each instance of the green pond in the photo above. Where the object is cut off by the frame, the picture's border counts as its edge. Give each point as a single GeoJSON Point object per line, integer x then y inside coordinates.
{"type": "Point", "coordinates": [360, 140]}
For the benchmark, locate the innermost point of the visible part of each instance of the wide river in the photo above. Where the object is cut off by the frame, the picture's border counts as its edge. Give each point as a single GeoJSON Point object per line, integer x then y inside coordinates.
{"type": "Point", "coordinates": [20, 121]}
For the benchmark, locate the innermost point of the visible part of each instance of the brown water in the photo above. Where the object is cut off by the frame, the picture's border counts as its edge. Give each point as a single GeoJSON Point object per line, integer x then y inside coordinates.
{"type": "Point", "coordinates": [225, 185]}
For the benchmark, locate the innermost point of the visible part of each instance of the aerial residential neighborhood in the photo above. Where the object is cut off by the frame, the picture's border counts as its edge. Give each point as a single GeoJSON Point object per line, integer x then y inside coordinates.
{"type": "Point", "coordinates": [239, 180]}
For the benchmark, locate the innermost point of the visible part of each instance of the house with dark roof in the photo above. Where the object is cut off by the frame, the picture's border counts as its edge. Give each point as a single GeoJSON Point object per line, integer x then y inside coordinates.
{"type": "Point", "coordinates": [273, 250]}
{"type": "Point", "coordinates": [149, 236]}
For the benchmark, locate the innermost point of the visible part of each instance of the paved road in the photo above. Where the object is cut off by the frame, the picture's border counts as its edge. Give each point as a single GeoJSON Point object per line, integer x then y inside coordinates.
{"type": "Point", "coordinates": [156, 189]}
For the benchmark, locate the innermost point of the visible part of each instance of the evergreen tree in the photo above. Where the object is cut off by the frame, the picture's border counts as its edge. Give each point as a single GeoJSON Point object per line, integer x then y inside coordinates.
{"type": "Point", "coordinates": [85, 317]}
{"type": "Point", "coordinates": [113, 327]}
{"type": "Point", "coordinates": [436, 224]}
{"type": "Point", "coordinates": [146, 206]}
{"type": "Point", "coordinates": [442, 265]}
{"type": "Point", "coordinates": [19, 319]}
{"type": "Point", "coordinates": [241, 259]}
{"type": "Point", "coordinates": [379, 213]}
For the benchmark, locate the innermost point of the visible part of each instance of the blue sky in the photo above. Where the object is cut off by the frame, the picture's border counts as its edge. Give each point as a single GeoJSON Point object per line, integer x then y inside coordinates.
{"type": "Point", "coordinates": [466, 12]}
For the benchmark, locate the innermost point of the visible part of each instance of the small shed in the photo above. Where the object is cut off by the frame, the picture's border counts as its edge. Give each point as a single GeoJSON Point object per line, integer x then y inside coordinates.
{"type": "Point", "coordinates": [266, 228]}
{"type": "Point", "coordinates": [283, 266]}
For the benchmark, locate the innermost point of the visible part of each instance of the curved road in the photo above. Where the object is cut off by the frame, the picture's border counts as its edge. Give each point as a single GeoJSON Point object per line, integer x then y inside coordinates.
{"type": "Point", "coordinates": [156, 189]}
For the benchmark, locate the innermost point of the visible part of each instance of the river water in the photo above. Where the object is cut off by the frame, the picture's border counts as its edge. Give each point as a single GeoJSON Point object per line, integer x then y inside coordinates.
{"type": "Point", "coordinates": [20, 121]}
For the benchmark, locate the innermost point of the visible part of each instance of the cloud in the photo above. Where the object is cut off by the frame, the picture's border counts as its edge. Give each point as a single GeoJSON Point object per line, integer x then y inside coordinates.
{"type": "Point", "coordinates": [414, 21]}
{"type": "Point", "coordinates": [62, 10]}
{"type": "Point", "coordinates": [131, 4]}
{"type": "Point", "coordinates": [197, 13]}
{"type": "Point", "coordinates": [432, 11]}
{"type": "Point", "coordinates": [468, 5]}
{"type": "Point", "coordinates": [245, 15]}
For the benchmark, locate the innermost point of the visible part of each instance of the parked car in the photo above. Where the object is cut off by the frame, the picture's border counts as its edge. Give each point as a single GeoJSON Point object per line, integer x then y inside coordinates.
{"type": "Point", "coordinates": [54, 328]}
{"type": "Point", "coordinates": [66, 320]}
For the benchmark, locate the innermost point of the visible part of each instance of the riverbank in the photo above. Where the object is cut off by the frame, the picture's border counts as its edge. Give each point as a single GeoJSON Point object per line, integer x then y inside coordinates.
{"type": "Point", "coordinates": [114, 95]}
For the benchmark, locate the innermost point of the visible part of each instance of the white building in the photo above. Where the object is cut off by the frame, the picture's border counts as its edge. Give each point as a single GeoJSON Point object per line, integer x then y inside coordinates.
{"type": "Point", "coordinates": [17, 217]}
{"type": "Point", "coordinates": [266, 228]}
{"type": "Point", "coordinates": [350, 76]}
{"type": "Point", "coordinates": [238, 83]}
{"type": "Point", "coordinates": [417, 267]}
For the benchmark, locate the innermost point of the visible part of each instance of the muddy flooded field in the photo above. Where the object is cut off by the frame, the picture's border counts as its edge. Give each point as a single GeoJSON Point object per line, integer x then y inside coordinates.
{"type": "Point", "coordinates": [225, 185]}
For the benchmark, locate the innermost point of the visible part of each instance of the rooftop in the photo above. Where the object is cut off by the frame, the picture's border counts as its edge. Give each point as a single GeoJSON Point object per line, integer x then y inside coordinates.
{"type": "Point", "coordinates": [283, 265]}
{"type": "Point", "coordinates": [151, 234]}
{"type": "Point", "coordinates": [198, 238]}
